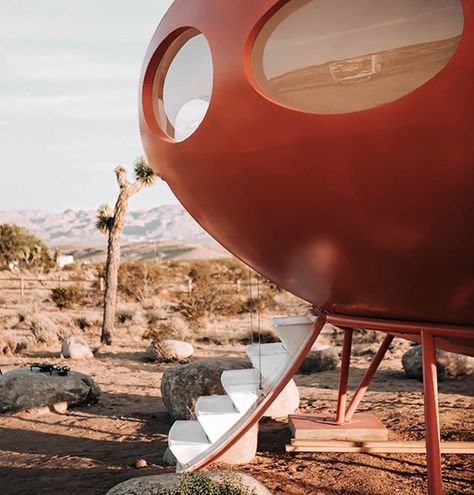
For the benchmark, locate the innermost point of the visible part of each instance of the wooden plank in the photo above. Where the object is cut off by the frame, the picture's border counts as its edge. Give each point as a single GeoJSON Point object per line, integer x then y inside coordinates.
{"type": "Point", "coordinates": [401, 447]}
{"type": "Point", "coordinates": [364, 426]}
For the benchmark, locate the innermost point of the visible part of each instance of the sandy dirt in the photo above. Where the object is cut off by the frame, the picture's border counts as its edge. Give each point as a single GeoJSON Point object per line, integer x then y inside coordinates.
{"type": "Point", "coordinates": [89, 450]}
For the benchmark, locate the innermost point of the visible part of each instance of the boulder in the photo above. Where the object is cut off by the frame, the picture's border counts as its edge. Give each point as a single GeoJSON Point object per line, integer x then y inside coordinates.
{"type": "Point", "coordinates": [286, 403]}
{"type": "Point", "coordinates": [322, 357]}
{"type": "Point", "coordinates": [182, 385]}
{"type": "Point", "coordinates": [76, 348]}
{"type": "Point", "coordinates": [448, 364]}
{"type": "Point", "coordinates": [169, 350]}
{"type": "Point", "coordinates": [242, 452]}
{"type": "Point", "coordinates": [152, 484]}
{"type": "Point", "coordinates": [26, 388]}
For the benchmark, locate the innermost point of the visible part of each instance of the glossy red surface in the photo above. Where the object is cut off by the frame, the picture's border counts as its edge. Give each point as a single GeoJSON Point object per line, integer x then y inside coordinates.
{"type": "Point", "coordinates": [362, 214]}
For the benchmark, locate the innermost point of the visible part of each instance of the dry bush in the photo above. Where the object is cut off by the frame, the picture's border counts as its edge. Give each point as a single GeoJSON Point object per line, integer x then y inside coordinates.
{"type": "Point", "coordinates": [140, 280]}
{"type": "Point", "coordinates": [173, 328]}
{"type": "Point", "coordinates": [206, 300]}
{"type": "Point", "coordinates": [43, 329]}
{"type": "Point", "coordinates": [253, 337]}
{"type": "Point", "coordinates": [123, 316]}
{"type": "Point", "coordinates": [359, 336]}
{"type": "Point", "coordinates": [254, 304]}
{"type": "Point", "coordinates": [207, 296]}
{"type": "Point", "coordinates": [7, 346]}
{"type": "Point", "coordinates": [66, 297]}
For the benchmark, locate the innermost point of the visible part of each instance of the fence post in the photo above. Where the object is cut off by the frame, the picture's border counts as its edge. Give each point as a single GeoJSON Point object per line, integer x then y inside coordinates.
{"type": "Point", "coordinates": [190, 285]}
{"type": "Point", "coordinates": [22, 286]}
{"type": "Point", "coordinates": [101, 284]}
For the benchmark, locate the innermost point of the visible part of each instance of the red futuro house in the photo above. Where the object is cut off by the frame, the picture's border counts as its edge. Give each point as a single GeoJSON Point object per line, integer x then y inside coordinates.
{"type": "Point", "coordinates": [329, 145]}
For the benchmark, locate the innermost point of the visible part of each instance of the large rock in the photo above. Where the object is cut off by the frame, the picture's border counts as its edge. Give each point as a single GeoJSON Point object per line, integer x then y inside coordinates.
{"type": "Point", "coordinates": [169, 350]}
{"type": "Point", "coordinates": [152, 484]}
{"type": "Point", "coordinates": [182, 385]}
{"type": "Point", "coordinates": [24, 388]}
{"type": "Point", "coordinates": [322, 357]}
{"type": "Point", "coordinates": [286, 403]}
{"type": "Point", "coordinates": [76, 348]}
{"type": "Point", "coordinates": [448, 364]}
{"type": "Point", "coordinates": [242, 452]}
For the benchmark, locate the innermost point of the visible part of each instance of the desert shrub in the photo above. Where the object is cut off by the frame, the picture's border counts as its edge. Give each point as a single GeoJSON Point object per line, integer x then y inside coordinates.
{"type": "Point", "coordinates": [254, 304]}
{"type": "Point", "coordinates": [174, 328]}
{"type": "Point", "coordinates": [140, 280]}
{"type": "Point", "coordinates": [66, 297]}
{"type": "Point", "coordinates": [20, 248]}
{"type": "Point", "coordinates": [7, 346]}
{"type": "Point", "coordinates": [153, 317]}
{"type": "Point", "coordinates": [200, 484]}
{"type": "Point", "coordinates": [43, 329]}
{"type": "Point", "coordinates": [122, 316]}
{"type": "Point", "coordinates": [207, 296]}
{"type": "Point", "coordinates": [83, 323]}
{"type": "Point", "coordinates": [252, 337]}
{"type": "Point", "coordinates": [206, 299]}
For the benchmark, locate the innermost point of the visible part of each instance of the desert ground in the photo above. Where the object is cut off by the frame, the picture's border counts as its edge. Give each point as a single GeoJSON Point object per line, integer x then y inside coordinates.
{"type": "Point", "coordinates": [88, 450]}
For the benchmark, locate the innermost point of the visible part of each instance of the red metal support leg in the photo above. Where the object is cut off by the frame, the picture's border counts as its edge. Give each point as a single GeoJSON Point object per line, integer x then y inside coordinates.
{"type": "Point", "coordinates": [364, 384]}
{"type": "Point", "coordinates": [430, 388]}
{"type": "Point", "coordinates": [344, 376]}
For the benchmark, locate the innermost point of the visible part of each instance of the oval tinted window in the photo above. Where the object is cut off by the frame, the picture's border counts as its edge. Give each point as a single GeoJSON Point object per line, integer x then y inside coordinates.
{"type": "Point", "coordinates": [338, 56]}
{"type": "Point", "coordinates": [182, 86]}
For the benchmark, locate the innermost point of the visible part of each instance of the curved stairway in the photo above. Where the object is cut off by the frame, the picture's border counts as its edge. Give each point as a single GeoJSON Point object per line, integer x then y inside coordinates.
{"type": "Point", "coordinates": [221, 420]}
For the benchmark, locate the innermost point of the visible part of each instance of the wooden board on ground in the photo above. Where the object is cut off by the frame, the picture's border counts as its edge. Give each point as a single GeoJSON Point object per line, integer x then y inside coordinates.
{"type": "Point", "coordinates": [363, 427]}
{"type": "Point", "coordinates": [405, 447]}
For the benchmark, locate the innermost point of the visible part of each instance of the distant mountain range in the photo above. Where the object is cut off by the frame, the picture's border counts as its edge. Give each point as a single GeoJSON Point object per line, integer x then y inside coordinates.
{"type": "Point", "coordinates": [77, 228]}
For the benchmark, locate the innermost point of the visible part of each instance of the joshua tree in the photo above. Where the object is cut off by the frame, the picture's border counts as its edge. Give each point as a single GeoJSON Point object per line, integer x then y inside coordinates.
{"type": "Point", "coordinates": [111, 221]}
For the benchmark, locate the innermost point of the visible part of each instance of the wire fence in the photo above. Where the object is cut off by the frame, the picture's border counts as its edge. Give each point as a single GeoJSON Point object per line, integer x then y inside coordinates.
{"type": "Point", "coordinates": [29, 284]}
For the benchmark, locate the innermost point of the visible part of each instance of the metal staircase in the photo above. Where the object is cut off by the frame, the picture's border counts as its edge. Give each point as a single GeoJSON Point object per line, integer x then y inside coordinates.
{"type": "Point", "coordinates": [221, 420]}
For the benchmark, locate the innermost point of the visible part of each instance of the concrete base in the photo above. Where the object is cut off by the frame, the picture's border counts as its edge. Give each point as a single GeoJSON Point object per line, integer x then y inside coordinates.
{"type": "Point", "coordinates": [363, 427]}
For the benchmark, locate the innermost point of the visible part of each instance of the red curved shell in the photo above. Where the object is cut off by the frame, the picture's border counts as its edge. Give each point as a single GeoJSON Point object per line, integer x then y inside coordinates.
{"type": "Point", "coordinates": [364, 214]}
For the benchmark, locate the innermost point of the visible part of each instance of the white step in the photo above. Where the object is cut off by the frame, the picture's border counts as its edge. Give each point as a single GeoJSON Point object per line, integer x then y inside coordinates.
{"type": "Point", "coordinates": [293, 331]}
{"type": "Point", "coordinates": [269, 359]}
{"type": "Point", "coordinates": [242, 386]}
{"type": "Point", "coordinates": [217, 415]}
{"type": "Point", "coordinates": [187, 440]}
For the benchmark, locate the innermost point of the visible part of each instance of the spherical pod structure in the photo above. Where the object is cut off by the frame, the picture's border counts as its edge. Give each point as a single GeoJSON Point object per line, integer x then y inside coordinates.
{"type": "Point", "coordinates": [328, 144]}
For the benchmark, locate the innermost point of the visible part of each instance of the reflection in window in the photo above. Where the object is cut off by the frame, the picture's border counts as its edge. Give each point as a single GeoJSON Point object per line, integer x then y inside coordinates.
{"type": "Point", "coordinates": [335, 56]}
{"type": "Point", "coordinates": [183, 85]}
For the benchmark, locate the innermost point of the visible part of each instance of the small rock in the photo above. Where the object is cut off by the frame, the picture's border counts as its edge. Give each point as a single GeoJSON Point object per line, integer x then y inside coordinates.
{"type": "Point", "coordinates": [169, 350]}
{"type": "Point", "coordinates": [322, 357]}
{"type": "Point", "coordinates": [448, 364]}
{"type": "Point", "coordinates": [182, 385]}
{"type": "Point", "coordinates": [60, 407]}
{"type": "Point", "coordinates": [141, 463]}
{"type": "Point", "coordinates": [151, 484]}
{"type": "Point", "coordinates": [286, 403]}
{"type": "Point", "coordinates": [76, 348]}
{"type": "Point", "coordinates": [24, 389]}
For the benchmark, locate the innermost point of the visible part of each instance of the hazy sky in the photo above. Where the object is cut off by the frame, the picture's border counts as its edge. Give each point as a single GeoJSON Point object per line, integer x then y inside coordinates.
{"type": "Point", "coordinates": [69, 73]}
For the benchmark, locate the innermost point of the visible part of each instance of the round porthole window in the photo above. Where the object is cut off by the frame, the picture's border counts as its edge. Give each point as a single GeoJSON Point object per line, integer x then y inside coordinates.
{"type": "Point", "coordinates": [335, 56]}
{"type": "Point", "coordinates": [182, 86]}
